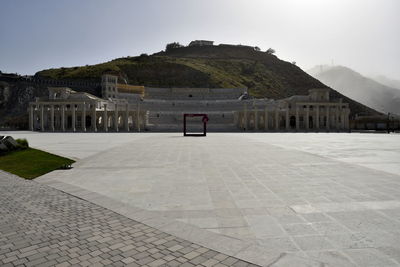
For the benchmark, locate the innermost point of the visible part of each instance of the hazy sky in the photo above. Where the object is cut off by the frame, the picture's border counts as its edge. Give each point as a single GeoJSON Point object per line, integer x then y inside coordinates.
{"type": "Point", "coordinates": [361, 34]}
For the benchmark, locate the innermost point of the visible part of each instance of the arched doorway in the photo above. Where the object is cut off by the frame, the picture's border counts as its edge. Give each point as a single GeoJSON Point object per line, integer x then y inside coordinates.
{"type": "Point", "coordinates": [88, 121]}
{"type": "Point", "coordinates": [310, 122]}
{"type": "Point", "coordinates": [292, 122]}
{"type": "Point", "coordinates": [69, 122]}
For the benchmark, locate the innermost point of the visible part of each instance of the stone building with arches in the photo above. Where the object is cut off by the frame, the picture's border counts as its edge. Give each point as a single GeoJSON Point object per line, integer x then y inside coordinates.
{"type": "Point", "coordinates": [125, 107]}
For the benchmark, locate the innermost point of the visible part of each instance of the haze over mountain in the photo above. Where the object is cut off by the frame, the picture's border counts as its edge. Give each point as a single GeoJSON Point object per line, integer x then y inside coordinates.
{"type": "Point", "coordinates": [358, 87]}
{"type": "Point", "coordinates": [386, 81]}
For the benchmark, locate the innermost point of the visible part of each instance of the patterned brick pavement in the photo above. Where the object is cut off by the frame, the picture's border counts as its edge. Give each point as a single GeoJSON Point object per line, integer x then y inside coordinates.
{"type": "Point", "coordinates": [41, 226]}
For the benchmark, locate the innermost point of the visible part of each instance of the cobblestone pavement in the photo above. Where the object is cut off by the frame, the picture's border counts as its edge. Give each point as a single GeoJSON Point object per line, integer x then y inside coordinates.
{"type": "Point", "coordinates": [41, 226]}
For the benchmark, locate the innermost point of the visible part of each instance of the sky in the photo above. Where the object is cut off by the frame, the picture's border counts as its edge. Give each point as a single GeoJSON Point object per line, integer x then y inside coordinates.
{"type": "Point", "coordinates": [361, 34]}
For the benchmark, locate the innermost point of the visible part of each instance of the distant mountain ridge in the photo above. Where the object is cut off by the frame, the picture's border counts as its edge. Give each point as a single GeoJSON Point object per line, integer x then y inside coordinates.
{"type": "Point", "coordinates": [358, 87]}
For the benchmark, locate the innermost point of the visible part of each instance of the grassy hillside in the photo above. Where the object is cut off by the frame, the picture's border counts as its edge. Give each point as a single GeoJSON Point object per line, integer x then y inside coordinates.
{"type": "Point", "coordinates": [214, 66]}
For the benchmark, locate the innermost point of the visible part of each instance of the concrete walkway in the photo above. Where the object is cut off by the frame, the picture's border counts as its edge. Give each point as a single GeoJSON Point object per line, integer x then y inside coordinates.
{"type": "Point", "coordinates": [283, 199]}
{"type": "Point", "coordinates": [41, 226]}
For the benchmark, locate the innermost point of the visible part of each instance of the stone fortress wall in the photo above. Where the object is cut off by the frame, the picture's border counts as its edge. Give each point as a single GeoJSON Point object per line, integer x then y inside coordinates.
{"type": "Point", "coordinates": [136, 108]}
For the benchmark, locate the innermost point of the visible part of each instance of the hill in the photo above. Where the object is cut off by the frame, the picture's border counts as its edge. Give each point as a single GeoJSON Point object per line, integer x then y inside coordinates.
{"type": "Point", "coordinates": [264, 74]}
{"type": "Point", "coordinates": [362, 89]}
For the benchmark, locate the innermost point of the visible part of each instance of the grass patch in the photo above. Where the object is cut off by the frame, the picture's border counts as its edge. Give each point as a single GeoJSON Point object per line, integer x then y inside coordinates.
{"type": "Point", "coordinates": [31, 163]}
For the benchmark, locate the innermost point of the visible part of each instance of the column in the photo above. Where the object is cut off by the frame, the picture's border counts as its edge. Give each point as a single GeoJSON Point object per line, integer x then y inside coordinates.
{"type": "Point", "coordinates": [307, 117]}
{"type": "Point", "coordinates": [342, 124]}
{"type": "Point", "coordinates": [105, 119]}
{"type": "Point", "coordinates": [42, 117]}
{"type": "Point", "coordinates": [94, 118]}
{"type": "Point", "coordinates": [116, 117]}
{"type": "Point", "coordinates": [287, 118]}
{"type": "Point", "coordinates": [336, 118]}
{"type": "Point", "coordinates": [317, 115]}
{"type": "Point", "coordinates": [297, 118]}
{"type": "Point", "coordinates": [276, 119]}
{"type": "Point", "coordinates": [327, 117]}
{"type": "Point", "coordinates": [63, 117]}
{"type": "Point", "coordinates": [255, 119]}
{"type": "Point", "coordinates": [52, 118]}
{"type": "Point", "coordinates": [73, 117]}
{"type": "Point", "coordinates": [138, 117]}
{"type": "Point", "coordinates": [266, 119]}
{"type": "Point", "coordinates": [245, 117]}
{"type": "Point", "coordinates": [31, 117]}
{"type": "Point", "coordinates": [83, 118]}
{"type": "Point", "coordinates": [127, 117]}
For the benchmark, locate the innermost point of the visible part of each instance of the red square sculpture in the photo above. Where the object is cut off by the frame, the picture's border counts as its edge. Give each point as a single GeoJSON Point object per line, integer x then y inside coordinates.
{"type": "Point", "coordinates": [204, 120]}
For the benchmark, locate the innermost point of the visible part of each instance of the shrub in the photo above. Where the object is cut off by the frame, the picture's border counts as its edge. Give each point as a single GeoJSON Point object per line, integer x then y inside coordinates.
{"type": "Point", "coordinates": [23, 143]}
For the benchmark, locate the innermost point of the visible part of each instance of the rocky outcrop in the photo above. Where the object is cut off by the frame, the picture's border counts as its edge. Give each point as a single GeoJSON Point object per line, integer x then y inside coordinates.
{"type": "Point", "coordinates": [17, 92]}
{"type": "Point", "coordinates": [14, 100]}
{"type": "Point", "coordinates": [7, 143]}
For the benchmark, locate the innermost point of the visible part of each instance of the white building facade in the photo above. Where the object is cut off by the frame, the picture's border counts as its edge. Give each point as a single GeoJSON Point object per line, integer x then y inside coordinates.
{"type": "Point", "coordinates": [127, 108]}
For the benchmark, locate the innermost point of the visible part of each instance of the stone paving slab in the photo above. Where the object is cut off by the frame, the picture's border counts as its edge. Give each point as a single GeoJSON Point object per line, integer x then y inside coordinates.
{"type": "Point", "coordinates": [41, 226]}
{"type": "Point", "coordinates": [376, 151]}
{"type": "Point", "coordinates": [265, 202]}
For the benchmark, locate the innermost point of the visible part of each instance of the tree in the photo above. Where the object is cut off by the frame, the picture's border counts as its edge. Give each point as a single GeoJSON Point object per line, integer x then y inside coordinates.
{"type": "Point", "coordinates": [257, 48]}
{"type": "Point", "coordinates": [171, 46]}
{"type": "Point", "coordinates": [270, 51]}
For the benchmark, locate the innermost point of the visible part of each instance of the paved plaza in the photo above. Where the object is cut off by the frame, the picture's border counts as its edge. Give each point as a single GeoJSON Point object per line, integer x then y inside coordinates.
{"type": "Point", "coordinates": [42, 226]}
{"type": "Point", "coordinates": [278, 199]}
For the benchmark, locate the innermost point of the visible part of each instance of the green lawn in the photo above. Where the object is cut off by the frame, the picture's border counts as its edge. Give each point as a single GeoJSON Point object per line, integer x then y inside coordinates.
{"type": "Point", "coordinates": [31, 163]}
